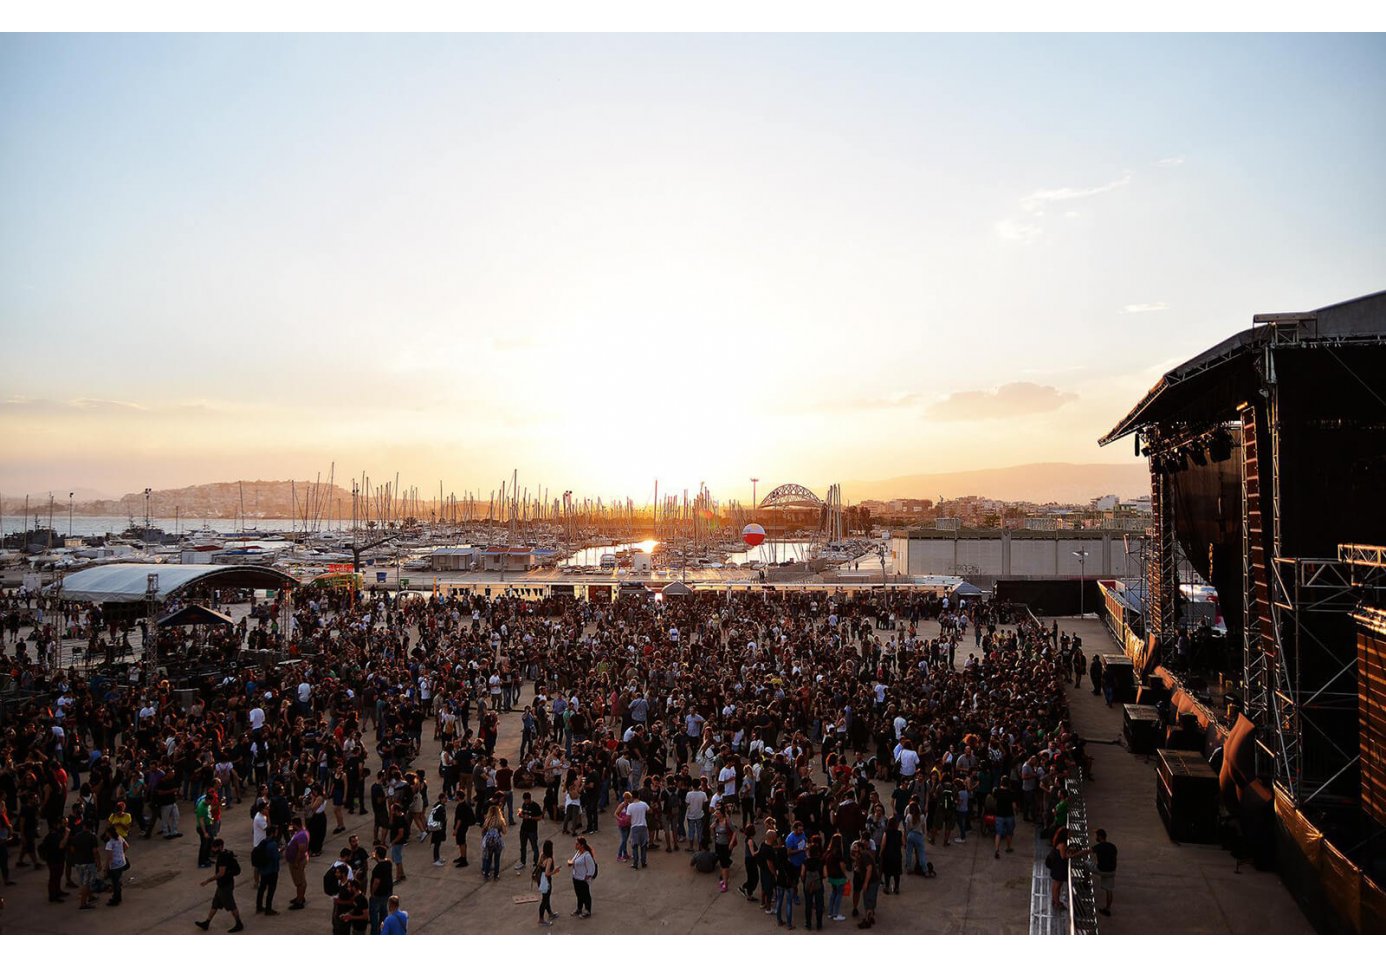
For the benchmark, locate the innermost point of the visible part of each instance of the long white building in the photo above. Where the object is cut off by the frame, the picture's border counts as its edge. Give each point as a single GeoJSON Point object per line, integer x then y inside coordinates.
{"type": "Point", "coordinates": [984, 555]}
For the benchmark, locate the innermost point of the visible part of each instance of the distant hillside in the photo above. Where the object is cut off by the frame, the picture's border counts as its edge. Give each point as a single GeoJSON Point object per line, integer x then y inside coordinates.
{"type": "Point", "coordinates": [1025, 482]}
{"type": "Point", "coordinates": [226, 499]}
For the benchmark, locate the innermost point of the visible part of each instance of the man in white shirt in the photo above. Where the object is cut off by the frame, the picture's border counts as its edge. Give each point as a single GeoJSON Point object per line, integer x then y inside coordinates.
{"type": "Point", "coordinates": [908, 761]}
{"type": "Point", "coordinates": [256, 716]}
{"type": "Point", "coordinates": [727, 777]}
{"type": "Point", "coordinates": [696, 800]}
{"type": "Point", "coordinates": [638, 812]}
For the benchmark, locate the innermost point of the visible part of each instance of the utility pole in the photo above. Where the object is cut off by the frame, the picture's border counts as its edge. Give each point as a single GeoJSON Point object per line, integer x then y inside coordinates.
{"type": "Point", "coordinates": [754, 481]}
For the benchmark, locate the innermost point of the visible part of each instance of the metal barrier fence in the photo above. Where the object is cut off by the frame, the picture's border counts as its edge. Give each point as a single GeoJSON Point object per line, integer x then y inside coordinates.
{"type": "Point", "coordinates": [1081, 916]}
{"type": "Point", "coordinates": [1082, 874]}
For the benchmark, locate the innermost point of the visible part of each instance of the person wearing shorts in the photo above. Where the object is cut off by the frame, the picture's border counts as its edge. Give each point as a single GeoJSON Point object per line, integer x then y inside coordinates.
{"type": "Point", "coordinates": [225, 897]}
{"type": "Point", "coordinates": [1005, 816]}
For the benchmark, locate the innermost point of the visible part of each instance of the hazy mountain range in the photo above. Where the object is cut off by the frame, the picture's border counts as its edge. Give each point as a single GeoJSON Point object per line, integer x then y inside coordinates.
{"type": "Point", "coordinates": [1024, 482]}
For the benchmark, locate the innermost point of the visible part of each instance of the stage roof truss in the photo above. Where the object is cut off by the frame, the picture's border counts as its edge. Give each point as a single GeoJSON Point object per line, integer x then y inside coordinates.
{"type": "Point", "coordinates": [1340, 325]}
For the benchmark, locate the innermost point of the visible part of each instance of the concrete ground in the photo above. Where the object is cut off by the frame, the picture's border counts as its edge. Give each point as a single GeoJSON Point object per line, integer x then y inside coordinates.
{"type": "Point", "coordinates": [973, 893]}
{"type": "Point", "coordinates": [1162, 887]}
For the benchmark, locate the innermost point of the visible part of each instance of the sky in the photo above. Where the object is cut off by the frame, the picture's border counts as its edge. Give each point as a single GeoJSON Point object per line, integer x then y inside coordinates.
{"type": "Point", "coordinates": [608, 259]}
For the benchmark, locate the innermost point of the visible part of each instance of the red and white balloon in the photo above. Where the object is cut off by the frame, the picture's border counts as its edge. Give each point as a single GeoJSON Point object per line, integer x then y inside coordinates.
{"type": "Point", "coordinates": [753, 534]}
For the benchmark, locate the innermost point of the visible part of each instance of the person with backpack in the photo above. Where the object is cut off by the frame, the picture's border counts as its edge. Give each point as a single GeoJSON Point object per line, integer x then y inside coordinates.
{"type": "Point", "coordinates": [438, 828]}
{"type": "Point", "coordinates": [264, 857]}
{"type": "Point", "coordinates": [584, 865]}
{"type": "Point", "coordinates": [228, 868]}
{"type": "Point", "coordinates": [492, 842]}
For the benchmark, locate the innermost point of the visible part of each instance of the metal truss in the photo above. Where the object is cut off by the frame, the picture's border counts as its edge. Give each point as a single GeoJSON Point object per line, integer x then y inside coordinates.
{"type": "Point", "coordinates": [1304, 588]}
{"type": "Point", "coordinates": [1277, 737]}
{"type": "Point", "coordinates": [1369, 556]}
{"type": "Point", "coordinates": [790, 495]}
{"type": "Point", "coordinates": [1162, 593]}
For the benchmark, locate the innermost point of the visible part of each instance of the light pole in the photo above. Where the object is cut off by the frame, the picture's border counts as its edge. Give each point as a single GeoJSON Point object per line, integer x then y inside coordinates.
{"type": "Point", "coordinates": [69, 512]}
{"type": "Point", "coordinates": [1082, 557]}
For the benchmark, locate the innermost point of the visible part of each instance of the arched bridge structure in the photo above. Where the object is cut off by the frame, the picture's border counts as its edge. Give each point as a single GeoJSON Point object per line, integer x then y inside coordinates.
{"type": "Point", "coordinates": [791, 496]}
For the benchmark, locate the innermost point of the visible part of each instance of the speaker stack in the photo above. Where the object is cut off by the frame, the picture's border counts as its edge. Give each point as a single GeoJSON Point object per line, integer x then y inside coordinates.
{"type": "Point", "coordinates": [1186, 794]}
{"type": "Point", "coordinates": [1141, 727]}
{"type": "Point", "coordinates": [1123, 675]}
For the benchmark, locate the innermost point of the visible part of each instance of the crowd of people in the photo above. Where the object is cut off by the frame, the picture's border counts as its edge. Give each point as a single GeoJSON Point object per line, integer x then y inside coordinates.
{"type": "Point", "coordinates": [826, 743]}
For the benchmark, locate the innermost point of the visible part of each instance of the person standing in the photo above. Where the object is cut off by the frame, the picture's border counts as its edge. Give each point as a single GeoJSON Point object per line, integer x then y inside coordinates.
{"type": "Point", "coordinates": [83, 852]}
{"type": "Point", "coordinates": [296, 853]}
{"type": "Point", "coordinates": [227, 869]}
{"type": "Point", "coordinates": [530, 813]}
{"type": "Point", "coordinates": [696, 799]}
{"type": "Point", "coordinates": [464, 819]}
{"type": "Point", "coordinates": [438, 827]}
{"type": "Point", "coordinates": [382, 887]}
{"type": "Point", "coordinates": [492, 842]}
{"type": "Point", "coordinates": [267, 871]}
{"type": "Point", "coordinates": [723, 841]}
{"type": "Point", "coordinates": [866, 881]}
{"type": "Point", "coordinates": [1005, 816]}
{"type": "Point", "coordinates": [814, 884]}
{"type": "Point", "coordinates": [116, 862]}
{"type": "Point", "coordinates": [638, 811]}
{"type": "Point", "coordinates": [53, 851]}
{"type": "Point", "coordinates": [546, 872]}
{"type": "Point", "coordinates": [397, 921]}
{"type": "Point", "coordinates": [399, 839]}
{"type": "Point", "coordinates": [584, 866]}
{"type": "Point", "coordinates": [1106, 853]}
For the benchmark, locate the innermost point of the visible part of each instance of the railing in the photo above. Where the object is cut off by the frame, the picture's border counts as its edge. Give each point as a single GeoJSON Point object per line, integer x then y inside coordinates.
{"type": "Point", "coordinates": [1082, 876]}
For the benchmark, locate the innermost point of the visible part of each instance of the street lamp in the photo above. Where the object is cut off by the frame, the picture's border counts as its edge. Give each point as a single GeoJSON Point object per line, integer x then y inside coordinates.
{"type": "Point", "coordinates": [1082, 557]}
{"type": "Point", "coordinates": [69, 512]}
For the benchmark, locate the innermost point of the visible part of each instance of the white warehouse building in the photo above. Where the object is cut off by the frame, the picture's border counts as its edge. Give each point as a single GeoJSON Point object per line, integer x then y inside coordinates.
{"type": "Point", "coordinates": [984, 555]}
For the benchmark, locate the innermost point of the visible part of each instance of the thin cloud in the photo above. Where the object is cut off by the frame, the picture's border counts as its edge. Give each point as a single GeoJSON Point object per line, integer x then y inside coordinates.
{"type": "Point", "coordinates": [1014, 230]}
{"type": "Point", "coordinates": [899, 400]}
{"type": "Point", "coordinates": [1026, 229]}
{"type": "Point", "coordinates": [1035, 202]}
{"type": "Point", "coordinates": [18, 404]}
{"type": "Point", "coordinates": [1154, 307]}
{"type": "Point", "coordinates": [1008, 400]}
{"type": "Point", "coordinates": [1170, 162]}
{"type": "Point", "coordinates": [38, 405]}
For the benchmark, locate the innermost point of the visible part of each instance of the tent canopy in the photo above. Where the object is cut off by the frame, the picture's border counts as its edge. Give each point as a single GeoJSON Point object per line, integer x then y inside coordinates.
{"type": "Point", "coordinates": [130, 582]}
{"type": "Point", "coordinates": [195, 615]}
{"type": "Point", "coordinates": [967, 590]}
{"type": "Point", "coordinates": [676, 588]}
